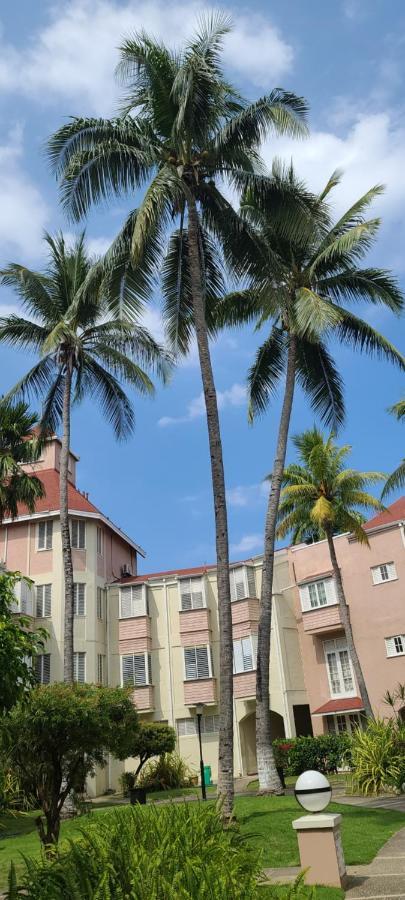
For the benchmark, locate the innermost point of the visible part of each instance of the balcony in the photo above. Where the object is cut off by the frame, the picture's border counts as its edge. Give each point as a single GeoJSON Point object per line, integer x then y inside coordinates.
{"type": "Point", "coordinates": [244, 685]}
{"type": "Point", "coordinates": [322, 619]}
{"type": "Point", "coordinates": [143, 698]}
{"type": "Point", "coordinates": [201, 690]}
{"type": "Point", "coordinates": [24, 599]}
{"type": "Point", "coordinates": [134, 635]}
{"type": "Point", "coordinates": [195, 627]}
{"type": "Point", "coordinates": [245, 616]}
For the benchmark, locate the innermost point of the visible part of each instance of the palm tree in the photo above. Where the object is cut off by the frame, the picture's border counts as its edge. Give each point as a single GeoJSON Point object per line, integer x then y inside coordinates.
{"type": "Point", "coordinates": [319, 490]}
{"type": "Point", "coordinates": [83, 352]}
{"type": "Point", "coordinates": [184, 131]}
{"type": "Point", "coordinates": [303, 268]}
{"type": "Point", "coordinates": [397, 478]}
{"type": "Point", "coordinates": [19, 447]}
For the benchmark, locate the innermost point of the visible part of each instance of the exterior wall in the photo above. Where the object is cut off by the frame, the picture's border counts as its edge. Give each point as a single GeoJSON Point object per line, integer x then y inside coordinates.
{"type": "Point", "coordinates": [376, 612]}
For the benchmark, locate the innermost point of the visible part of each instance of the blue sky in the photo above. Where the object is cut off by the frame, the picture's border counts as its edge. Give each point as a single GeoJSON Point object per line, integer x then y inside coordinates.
{"type": "Point", "coordinates": [347, 58]}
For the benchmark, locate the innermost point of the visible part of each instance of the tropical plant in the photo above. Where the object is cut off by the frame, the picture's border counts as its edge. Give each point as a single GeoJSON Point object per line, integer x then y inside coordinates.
{"type": "Point", "coordinates": [304, 271]}
{"type": "Point", "coordinates": [19, 644]}
{"type": "Point", "coordinates": [397, 478]}
{"type": "Point", "coordinates": [377, 757]}
{"type": "Point", "coordinates": [184, 130]}
{"type": "Point", "coordinates": [322, 752]}
{"type": "Point", "coordinates": [19, 447]}
{"type": "Point", "coordinates": [396, 701]}
{"type": "Point", "coordinates": [319, 489]}
{"type": "Point", "coordinates": [54, 740]}
{"type": "Point", "coordinates": [168, 771]}
{"type": "Point", "coordinates": [84, 352]}
{"type": "Point", "coordinates": [152, 739]}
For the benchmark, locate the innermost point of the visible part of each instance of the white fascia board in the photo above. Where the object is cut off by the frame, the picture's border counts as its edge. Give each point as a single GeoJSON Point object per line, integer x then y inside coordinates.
{"type": "Point", "coordinates": [79, 513]}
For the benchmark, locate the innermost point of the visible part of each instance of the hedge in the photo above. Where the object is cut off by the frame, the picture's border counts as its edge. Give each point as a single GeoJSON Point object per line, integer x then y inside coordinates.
{"type": "Point", "coordinates": [325, 753]}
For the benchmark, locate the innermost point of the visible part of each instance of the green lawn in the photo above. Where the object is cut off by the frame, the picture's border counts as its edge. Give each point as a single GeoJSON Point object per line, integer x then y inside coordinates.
{"type": "Point", "coordinates": [276, 892]}
{"type": "Point", "coordinates": [266, 820]}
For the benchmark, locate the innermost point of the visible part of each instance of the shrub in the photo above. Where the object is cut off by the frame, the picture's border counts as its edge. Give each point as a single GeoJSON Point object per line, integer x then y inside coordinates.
{"type": "Point", "coordinates": [325, 753]}
{"type": "Point", "coordinates": [378, 757]}
{"type": "Point", "coordinates": [175, 852]}
{"type": "Point", "coordinates": [168, 771]}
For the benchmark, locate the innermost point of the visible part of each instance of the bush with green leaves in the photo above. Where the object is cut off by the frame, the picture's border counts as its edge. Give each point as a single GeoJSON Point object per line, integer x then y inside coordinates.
{"type": "Point", "coordinates": [168, 771]}
{"type": "Point", "coordinates": [325, 753]}
{"type": "Point", "coordinates": [378, 757]}
{"type": "Point", "coordinates": [175, 852]}
{"type": "Point", "coordinates": [19, 642]}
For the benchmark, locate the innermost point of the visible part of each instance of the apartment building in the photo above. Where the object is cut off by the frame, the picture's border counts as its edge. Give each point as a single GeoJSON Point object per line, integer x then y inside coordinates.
{"type": "Point", "coordinates": [374, 582]}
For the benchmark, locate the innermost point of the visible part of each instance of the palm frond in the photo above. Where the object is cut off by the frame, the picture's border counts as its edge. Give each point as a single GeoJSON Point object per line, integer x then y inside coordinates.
{"type": "Point", "coordinates": [395, 481]}
{"type": "Point", "coordinates": [320, 379]}
{"type": "Point", "coordinates": [267, 370]}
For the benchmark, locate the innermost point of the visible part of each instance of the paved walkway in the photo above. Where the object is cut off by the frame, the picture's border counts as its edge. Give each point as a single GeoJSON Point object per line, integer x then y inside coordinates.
{"type": "Point", "coordinates": [385, 877]}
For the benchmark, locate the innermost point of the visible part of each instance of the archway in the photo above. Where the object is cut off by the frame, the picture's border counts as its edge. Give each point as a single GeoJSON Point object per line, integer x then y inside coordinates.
{"type": "Point", "coordinates": [247, 731]}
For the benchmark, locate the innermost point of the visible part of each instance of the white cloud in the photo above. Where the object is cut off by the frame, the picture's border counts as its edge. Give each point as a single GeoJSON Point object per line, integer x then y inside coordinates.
{"type": "Point", "coordinates": [371, 152]}
{"type": "Point", "coordinates": [247, 495]}
{"type": "Point", "coordinates": [23, 211]}
{"type": "Point", "coordinates": [248, 543]}
{"type": "Point", "coordinates": [74, 55]}
{"type": "Point", "coordinates": [234, 396]}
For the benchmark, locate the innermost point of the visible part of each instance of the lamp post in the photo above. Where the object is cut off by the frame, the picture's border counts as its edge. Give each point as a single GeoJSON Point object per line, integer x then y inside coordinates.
{"type": "Point", "coordinates": [199, 711]}
{"type": "Point", "coordinates": [319, 839]}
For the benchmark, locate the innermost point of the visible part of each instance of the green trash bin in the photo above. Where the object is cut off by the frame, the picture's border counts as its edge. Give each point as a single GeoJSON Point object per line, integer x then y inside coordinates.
{"type": "Point", "coordinates": [207, 775]}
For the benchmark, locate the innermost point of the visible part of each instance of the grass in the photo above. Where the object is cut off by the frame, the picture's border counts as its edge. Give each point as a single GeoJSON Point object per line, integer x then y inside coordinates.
{"type": "Point", "coordinates": [264, 820]}
{"type": "Point", "coordinates": [280, 892]}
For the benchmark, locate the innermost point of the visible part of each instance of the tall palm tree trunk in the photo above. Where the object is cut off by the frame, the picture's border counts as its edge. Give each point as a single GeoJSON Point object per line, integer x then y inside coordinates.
{"type": "Point", "coordinates": [225, 756]}
{"type": "Point", "coordinates": [64, 526]}
{"type": "Point", "coordinates": [266, 768]}
{"type": "Point", "coordinates": [347, 627]}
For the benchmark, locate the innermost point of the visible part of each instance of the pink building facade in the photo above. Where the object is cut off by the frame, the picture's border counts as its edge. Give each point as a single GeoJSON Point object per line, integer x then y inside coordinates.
{"type": "Point", "coordinates": [374, 582]}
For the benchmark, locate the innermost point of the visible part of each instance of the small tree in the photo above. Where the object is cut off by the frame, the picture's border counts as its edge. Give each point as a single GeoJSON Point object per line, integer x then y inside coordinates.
{"type": "Point", "coordinates": [152, 739]}
{"type": "Point", "coordinates": [18, 645]}
{"type": "Point", "coordinates": [56, 739]}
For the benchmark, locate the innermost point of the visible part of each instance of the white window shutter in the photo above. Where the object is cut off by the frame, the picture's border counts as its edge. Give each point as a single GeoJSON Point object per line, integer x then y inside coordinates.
{"type": "Point", "coordinates": [251, 580]}
{"type": "Point", "coordinates": [247, 654]}
{"type": "Point", "coordinates": [237, 657]}
{"type": "Point", "coordinates": [75, 533]}
{"type": "Point", "coordinates": [140, 669]}
{"type": "Point", "coordinates": [190, 663]}
{"type": "Point", "coordinates": [49, 533]}
{"type": "Point", "coordinates": [149, 656]}
{"type": "Point", "coordinates": [392, 572]}
{"type": "Point", "coordinates": [390, 646]}
{"type": "Point", "coordinates": [254, 649]}
{"type": "Point", "coordinates": [46, 668]}
{"type": "Point", "coordinates": [330, 591]}
{"type": "Point", "coordinates": [376, 575]}
{"type": "Point", "coordinates": [39, 600]}
{"type": "Point", "coordinates": [128, 675]}
{"type": "Point", "coordinates": [197, 593]}
{"type": "Point", "coordinates": [239, 589]}
{"type": "Point", "coordinates": [305, 598]}
{"type": "Point", "coordinates": [203, 668]}
{"type": "Point", "coordinates": [47, 600]}
{"type": "Point", "coordinates": [125, 602]}
{"type": "Point", "coordinates": [138, 605]}
{"type": "Point", "coordinates": [26, 599]}
{"type": "Point", "coordinates": [41, 535]}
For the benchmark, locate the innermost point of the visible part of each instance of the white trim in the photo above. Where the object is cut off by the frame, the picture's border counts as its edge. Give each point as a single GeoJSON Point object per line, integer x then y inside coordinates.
{"type": "Point", "coordinates": [76, 513]}
{"type": "Point", "coordinates": [338, 712]}
{"type": "Point", "coordinates": [340, 645]}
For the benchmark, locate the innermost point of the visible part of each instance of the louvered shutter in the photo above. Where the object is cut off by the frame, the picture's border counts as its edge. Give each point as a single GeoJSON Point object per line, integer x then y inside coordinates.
{"type": "Point", "coordinates": [49, 533]}
{"type": "Point", "coordinates": [147, 600]}
{"type": "Point", "coordinates": [99, 603]}
{"type": "Point", "coordinates": [254, 649]}
{"type": "Point", "coordinates": [140, 669]}
{"type": "Point", "coordinates": [79, 667]}
{"type": "Point", "coordinates": [392, 572]}
{"type": "Point", "coordinates": [331, 592]}
{"type": "Point", "coordinates": [238, 586]}
{"type": "Point", "coordinates": [75, 533]}
{"type": "Point", "coordinates": [247, 654]}
{"type": "Point", "coordinates": [190, 663]}
{"type": "Point", "coordinates": [203, 667]}
{"type": "Point", "coordinates": [237, 657]}
{"type": "Point", "coordinates": [39, 600]}
{"type": "Point", "coordinates": [305, 598]}
{"type": "Point", "coordinates": [125, 602]}
{"type": "Point", "coordinates": [251, 580]}
{"type": "Point", "coordinates": [185, 594]}
{"type": "Point", "coordinates": [48, 600]}
{"type": "Point", "coordinates": [79, 599]}
{"type": "Point", "coordinates": [377, 575]}
{"type": "Point", "coordinates": [197, 596]}
{"type": "Point", "coordinates": [390, 646]}
{"type": "Point", "coordinates": [138, 605]}
{"type": "Point", "coordinates": [149, 668]}
{"type": "Point", "coordinates": [37, 668]}
{"type": "Point", "coordinates": [41, 536]}
{"type": "Point", "coordinates": [46, 668]}
{"type": "Point", "coordinates": [128, 673]}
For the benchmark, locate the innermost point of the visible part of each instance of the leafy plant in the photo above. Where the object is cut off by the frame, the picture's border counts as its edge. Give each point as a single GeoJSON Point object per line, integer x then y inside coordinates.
{"type": "Point", "coordinates": [377, 757]}
{"type": "Point", "coordinates": [18, 644]}
{"type": "Point", "coordinates": [325, 753]}
{"type": "Point", "coordinates": [168, 771]}
{"type": "Point", "coordinates": [148, 853]}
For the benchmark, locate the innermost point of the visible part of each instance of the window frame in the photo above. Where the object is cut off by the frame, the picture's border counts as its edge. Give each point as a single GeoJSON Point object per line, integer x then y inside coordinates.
{"type": "Point", "coordinates": [76, 655]}
{"type": "Point", "coordinates": [198, 677]}
{"type": "Point", "coordinates": [101, 668]}
{"type": "Point", "coordinates": [41, 657]}
{"type": "Point", "coordinates": [192, 720]}
{"type": "Point", "coordinates": [329, 588]}
{"type": "Point", "coordinates": [76, 585]}
{"type": "Point", "coordinates": [81, 523]}
{"type": "Point", "coordinates": [252, 638]}
{"type": "Point", "coordinates": [247, 595]}
{"type": "Point", "coordinates": [101, 603]}
{"type": "Point", "coordinates": [337, 647]}
{"type": "Point", "coordinates": [147, 666]}
{"type": "Point", "coordinates": [392, 638]}
{"type": "Point", "coordinates": [43, 614]}
{"type": "Point", "coordinates": [47, 524]}
{"type": "Point", "coordinates": [189, 580]}
{"type": "Point", "coordinates": [145, 600]}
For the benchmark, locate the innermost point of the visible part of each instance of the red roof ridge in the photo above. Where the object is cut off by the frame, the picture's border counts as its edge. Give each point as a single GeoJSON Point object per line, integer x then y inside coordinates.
{"type": "Point", "coordinates": [195, 570]}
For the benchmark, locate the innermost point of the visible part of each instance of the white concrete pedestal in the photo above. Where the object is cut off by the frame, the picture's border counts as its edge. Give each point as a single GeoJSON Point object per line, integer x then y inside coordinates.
{"type": "Point", "coordinates": [320, 847]}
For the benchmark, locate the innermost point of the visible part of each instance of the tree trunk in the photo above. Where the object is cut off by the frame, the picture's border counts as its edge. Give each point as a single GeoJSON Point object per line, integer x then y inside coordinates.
{"type": "Point", "coordinates": [347, 627]}
{"type": "Point", "coordinates": [225, 756]}
{"type": "Point", "coordinates": [64, 527]}
{"type": "Point", "coordinates": [267, 773]}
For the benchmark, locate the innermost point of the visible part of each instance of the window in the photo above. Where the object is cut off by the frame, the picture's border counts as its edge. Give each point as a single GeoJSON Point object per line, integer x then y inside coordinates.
{"type": "Point", "coordinates": [101, 603]}
{"type": "Point", "coordinates": [243, 583]}
{"type": "Point", "coordinates": [344, 722]}
{"type": "Point", "coordinates": [43, 600]}
{"type": "Point", "coordinates": [100, 541]}
{"type": "Point", "coordinates": [318, 593]}
{"type": "Point", "coordinates": [244, 654]}
{"type": "Point", "coordinates": [78, 531]}
{"type": "Point", "coordinates": [395, 646]}
{"type": "Point", "coordinates": [134, 601]}
{"type": "Point", "coordinates": [23, 603]}
{"type": "Point", "coordinates": [79, 599]}
{"type": "Point", "coordinates": [42, 668]}
{"type": "Point", "coordinates": [197, 663]}
{"type": "Point", "coordinates": [45, 532]}
{"type": "Point", "coordinates": [136, 669]}
{"type": "Point", "coordinates": [340, 674]}
{"type": "Point", "coordinates": [188, 727]}
{"type": "Point", "coordinates": [191, 593]}
{"type": "Point", "coordinates": [100, 668]}
{"type": "Point", "coordinates": [384, 572]}
{"type": "Point", "coordinates": [79, 667]}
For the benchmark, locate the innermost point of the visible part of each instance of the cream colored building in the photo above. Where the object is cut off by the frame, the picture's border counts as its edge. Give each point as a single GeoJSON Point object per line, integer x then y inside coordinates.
{"type": "Point", "coordinates": [159, 632]}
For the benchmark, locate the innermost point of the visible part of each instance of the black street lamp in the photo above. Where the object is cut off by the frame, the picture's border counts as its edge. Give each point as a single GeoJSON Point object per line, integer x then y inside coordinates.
{"type": "Point", "coordinates": [199, 710]}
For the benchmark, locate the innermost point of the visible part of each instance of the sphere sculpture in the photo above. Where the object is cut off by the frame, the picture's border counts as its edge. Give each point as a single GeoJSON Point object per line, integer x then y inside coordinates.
{"type": "Point", "coordinates": [313, 791]}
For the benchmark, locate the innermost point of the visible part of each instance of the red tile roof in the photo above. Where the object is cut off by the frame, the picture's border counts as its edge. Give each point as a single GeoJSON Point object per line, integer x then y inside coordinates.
{"type": "Point", "coordinates": [348, 704]}
{"type": "Point", "coordinates": [197, 570]}
{"type": "Point", "coordinates": [394, 513]}
{"type": "Point", "coordinates": [50, 502]}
